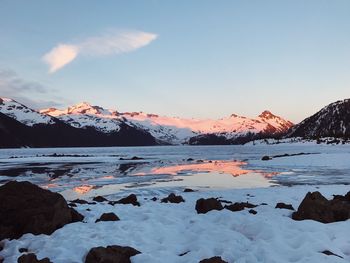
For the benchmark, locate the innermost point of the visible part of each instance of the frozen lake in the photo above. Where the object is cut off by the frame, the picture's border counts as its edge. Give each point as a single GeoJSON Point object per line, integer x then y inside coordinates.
{"type": "Point", "coordinates": [83, 172]}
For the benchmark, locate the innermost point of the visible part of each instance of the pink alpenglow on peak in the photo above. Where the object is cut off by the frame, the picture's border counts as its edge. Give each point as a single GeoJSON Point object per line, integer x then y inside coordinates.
{"type": "Point", "coordinates": [172, 130]}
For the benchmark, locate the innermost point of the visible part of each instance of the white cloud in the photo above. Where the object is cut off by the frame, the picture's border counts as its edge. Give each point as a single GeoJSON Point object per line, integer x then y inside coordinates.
{"type": "Point", "coordinates": [110, 43]}
{"type": "Point", "coordinates": [60, 56]}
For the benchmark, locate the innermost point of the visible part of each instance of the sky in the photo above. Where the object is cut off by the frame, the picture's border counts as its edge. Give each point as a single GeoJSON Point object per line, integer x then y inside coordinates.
{"type": "Point", "coordinates": [186, 58]}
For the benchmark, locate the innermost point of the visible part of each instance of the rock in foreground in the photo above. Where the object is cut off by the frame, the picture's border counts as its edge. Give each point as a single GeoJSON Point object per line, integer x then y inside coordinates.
{"type": "Point", "coordinates": [111, 254]}
{"type": "Point", "coordinates": [203, 206]}
{"type": "Point", "coordinates": [213, 260]}
{"type": "Point", "coordinates": [173, 198]}
{"type": "Point", "coordinates": [27, 208]}
{"type": "Point", "coordinates": [108, 217]}
{"type": "Point", "coordinates": [316, 207]}
{"type": "Point", "coordinates": [31, 258]}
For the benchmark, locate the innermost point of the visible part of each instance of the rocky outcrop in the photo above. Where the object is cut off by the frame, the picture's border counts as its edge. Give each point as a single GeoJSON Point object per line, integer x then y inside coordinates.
{"type": "Point", "coordinates": [239, 206]}
{"type": "Point", "coordinates": [130, 199]}
{"type": "Point", "coordinates": [316, 207]}
{"type": "Point", "coordinates": [27, 208]}
{"type": "Point", "coordinates": [31, 258]}
{"type": "Point", "coordinates": [173, 198]}
{"type": "Point", "coordinates": [203, 206]}
{"type": "Point", "coordinates": [108, 217]}
{"type": "Point", "coordinates": [111, 254]}
{"type": "Point", "coordinates": [213, 260]}
{"type": "Point", "coordinates": [284, 206]}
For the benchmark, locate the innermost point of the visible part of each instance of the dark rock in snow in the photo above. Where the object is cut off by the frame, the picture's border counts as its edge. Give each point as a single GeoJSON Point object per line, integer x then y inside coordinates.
{"type": "Point", "coordinates": [190, 160]}
{"type": "Point", "coordinates": [99, 199]}
{"type": "Point", "coordinates": [172, 198]}
{"type": "Point", "coordinates": [213, 260]}
{"type": "Point", "coordinates": [22, 250]}
{"type": "Point", "coordinates": [79, 201]}
{"type": "Point", "coordinates": [108, 217]}
{"type": "Point", "coordinates": [330, 253]}
{"type": "Point", "coordinates": [27, 208]}
{"type": "Point", "coordinates": [72, 204]}
{"type": "Point", "coordinates": [284, 206]}
{"type": "Point", "coordinates": [266, 158]}
{"type": "Point", "coordinates": [252, 211]}
{"type": "Point", "coordinates": [154, 199]}
{"type": "Point", "coordinates": [130, 199]}
{"type": "Point", "coordinates": [203, 206]}
{"type": "Point", "coordinates": [189, 190]}
{"type": "Point", "coordinates": [31, 258]}
{"type": "Point", "coordinates": [316, 207]}
{"type": "Point", "coordinates": [239, 206]}
{"type": "Point", "coordinates": [111, 254]}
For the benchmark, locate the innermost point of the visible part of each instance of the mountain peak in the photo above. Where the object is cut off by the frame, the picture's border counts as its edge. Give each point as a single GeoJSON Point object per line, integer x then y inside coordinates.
{"type": "Point", "coordinates": [266, 114]}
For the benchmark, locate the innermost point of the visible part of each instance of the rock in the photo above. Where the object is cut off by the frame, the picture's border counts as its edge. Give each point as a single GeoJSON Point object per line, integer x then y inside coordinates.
{"type": "Point", "coordinates": [239, 206]}
{"type": "Point", "coordinates": [154, 199]}
{"type": "Point", "coordinates": [266, 158]}
{"type": "Point", "coordinates": [27, 208]}
{"type": "Point", "coordinates": [22, 250]}
{"type": "Point", "coordinates": [108, 217]}
{"type": "Point", "coordinates": [172, 198]}
{"type": "Point", "coordinates": [111, 254]}
{"type": "Point", "coordinates": [184, 253]}
{"type": "Point", "coordinates": [316, 207]}
{"type": "Point", "coordinates": [99, 199]}
{"type": "Point", "coordinates": [31, 258]}
{"type": "Point", "coordinates": [252, 211]}
{"type": "Point", "coordinates": [190, 160]}
{"type": "Point", "coordinates": [130, 199]}
{"type": "Point", "coordinates": [203, 206]}
{"type": "Point", "coordinates": [342, 197]}
{"type": "Point", "coordinates": [79, 201]}
{"type": "Point", "coordinates": [188, 190]}
{"type": "Point", "coordinates": [213, 260]}
{"type": "Point", "coordinates": [284, 206]}
{"type": "Point", "coordinates": [72, 204]}
{"type": "Point", "coordinates": [330, 253]}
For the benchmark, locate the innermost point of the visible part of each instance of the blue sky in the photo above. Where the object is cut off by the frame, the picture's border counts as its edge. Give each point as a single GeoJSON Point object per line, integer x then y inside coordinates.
{"type": "Point", "coordinates": [204, 59]}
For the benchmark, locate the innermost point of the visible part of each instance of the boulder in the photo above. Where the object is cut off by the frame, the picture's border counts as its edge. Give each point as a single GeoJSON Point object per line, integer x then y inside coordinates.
{"type": "Point", "coordinates": [99, 199]}
{"type": "Point", "coordinates": [213, 260]}
{"type": "Point", "coordinates": [266, 158]}
{"type": "Point", "coordinates": [252, 211]}
{"type": "Point", "coordinates": [108, 217]}
{"type": "Point", "coordinates": [239, 206]}
{"type": "Point", "coordinates": [188, 190]}
{"type": "Point", "coordinates": [316, 207]}
{"type": "Point", "coordinates": [27, 208]}
{"type": "Point", "coordinates": [111, 254]}
{"type": "Point", "coordinates": [173, 198]}
{"type": "Point", "coordinates": [203, 206]}
{"type": "Point", "coordinates": [284, 206]}
{"type": "Point", "coordinates": [31, 258]}
{"type": "Point", "coordinates": [130, 199]}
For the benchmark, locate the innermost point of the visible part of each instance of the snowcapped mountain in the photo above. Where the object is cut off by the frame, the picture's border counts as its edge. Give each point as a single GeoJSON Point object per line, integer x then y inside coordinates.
{"type": "Point", "coordinates": [23, 114]}
{"type": "Point", "coordinates": [331, 121]}
{"type": "Point", "coordinates": [170, 130]}
{"type": "Point", "coordinates": [85, 115]}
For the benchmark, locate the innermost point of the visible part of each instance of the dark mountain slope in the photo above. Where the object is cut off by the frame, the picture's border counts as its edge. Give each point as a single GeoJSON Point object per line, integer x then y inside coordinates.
{"type": "Point", "coordinates": [331, 121]}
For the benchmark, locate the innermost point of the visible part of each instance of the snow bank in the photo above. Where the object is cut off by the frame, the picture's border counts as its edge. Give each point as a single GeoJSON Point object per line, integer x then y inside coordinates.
{"type": "Point", "coordinates": [164, 231]}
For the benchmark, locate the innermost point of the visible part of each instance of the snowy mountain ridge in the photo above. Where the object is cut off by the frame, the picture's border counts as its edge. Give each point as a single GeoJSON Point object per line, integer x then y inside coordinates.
{"type": "Point", "coordinates": [170, 130]}
{"type": "Point", "coordinates": [332, 120]}
{"type": "Point", "coordinates": [23, 114]}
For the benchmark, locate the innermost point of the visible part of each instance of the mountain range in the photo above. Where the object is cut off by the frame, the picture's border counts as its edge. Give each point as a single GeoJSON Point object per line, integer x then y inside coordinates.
{"type": "Point", "coordinates": [86, 125]}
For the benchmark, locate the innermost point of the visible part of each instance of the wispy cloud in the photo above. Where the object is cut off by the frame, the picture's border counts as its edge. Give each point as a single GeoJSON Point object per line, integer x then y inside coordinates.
{"type": "Point", "coordinates": [112, 42]}
{"type": "Point", "coordinates": [26, 92]}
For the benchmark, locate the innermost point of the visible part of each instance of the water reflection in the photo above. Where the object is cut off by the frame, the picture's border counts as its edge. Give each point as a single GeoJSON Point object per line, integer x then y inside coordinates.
{"type": "Point", "coordinates": [233, 168]}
